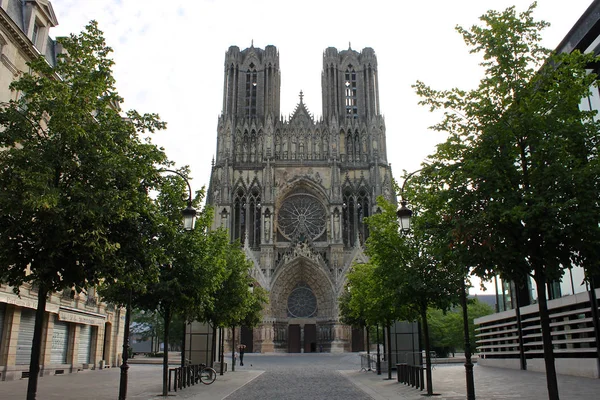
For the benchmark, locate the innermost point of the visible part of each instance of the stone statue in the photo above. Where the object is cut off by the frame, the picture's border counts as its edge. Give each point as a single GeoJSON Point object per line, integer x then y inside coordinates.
{"type": "Point", "coordinates": [267, 227]}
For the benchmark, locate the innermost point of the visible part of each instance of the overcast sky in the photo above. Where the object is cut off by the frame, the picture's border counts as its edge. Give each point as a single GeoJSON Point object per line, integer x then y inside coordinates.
{"type": "Point", "coordinates": [170, 58]}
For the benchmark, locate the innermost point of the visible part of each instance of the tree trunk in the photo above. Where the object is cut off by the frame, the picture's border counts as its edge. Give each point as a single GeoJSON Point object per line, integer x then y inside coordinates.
{"type": "Point", "coordinates": [551, 382]}
{"type": "Point", "coordinates": [222, 350]}
{"type": "Point", "coordinates": [125, 365]}
{"type": "Point", "coordinates": [36, 345]}
{"type": "Point", "coordinates": [378, 364]}
{"type": "Point", "coordinates": [522, 357]}
{"type": "Point", "coordinates": [467, 333]}
{"type": "Point", "coordinates": [183, 360]}
{"type": "Point", "coordinates": [213, 356]}
{"type": "Point", "coordinates": [165, 391]}
{"type": "Point", "coordinates": [368, 350]}
{"type": "Point", "coordinates": [233, 348]}
{"type": "Point", "coordinates": [389, 350]}
{"type": "Point", "coordinates": [383, 342]}
{"type": "Point", "coordinates": [427, 349]}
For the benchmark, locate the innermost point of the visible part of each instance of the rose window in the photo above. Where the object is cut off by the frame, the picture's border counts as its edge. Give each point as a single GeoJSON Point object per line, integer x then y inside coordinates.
{"type": "Point", "coordinates": [301, 216]}
{"type": "Point", "coordinates": [302, 302]}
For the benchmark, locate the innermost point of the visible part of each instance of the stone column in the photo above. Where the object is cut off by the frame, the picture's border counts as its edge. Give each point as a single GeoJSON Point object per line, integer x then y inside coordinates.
{"type": "Point", "coordinates": [73, 349]}
{"type": "Point", "coordinates": [340, 338]}
{"type": "Point", "coordinates": [265, 342]}
{"type": "Point", "coordinates": [46, 350]}
{"type": "Point", "coordinates": [97, 344]}
{"type": "Point", "coordinates": [12, 320]}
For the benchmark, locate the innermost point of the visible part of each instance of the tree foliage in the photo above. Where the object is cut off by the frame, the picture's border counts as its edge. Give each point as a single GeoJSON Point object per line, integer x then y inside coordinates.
{"type": "Point", "coordinates": [72, 175]}
{"type": "Point", "coordinates": [233, 303]}
{"type": "Point", "coordinates": [193, 261]}
{"type": "Point", "coordinates": [366, 300]}
{"type": "Point", "coordinates": [412, 265]}
{"type": "Point", "coordinates": [519, 170]}
{"type": "Point", "coordinates": [446, 328]}
{"type": "Point", "coordinates": [71, 169]}
{"type": "Point", "coordinates": [150, 325]}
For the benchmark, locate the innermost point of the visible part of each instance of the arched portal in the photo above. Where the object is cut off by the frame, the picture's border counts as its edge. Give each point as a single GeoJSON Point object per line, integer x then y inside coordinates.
{"type": "Point", "coordinates": [302, 299]}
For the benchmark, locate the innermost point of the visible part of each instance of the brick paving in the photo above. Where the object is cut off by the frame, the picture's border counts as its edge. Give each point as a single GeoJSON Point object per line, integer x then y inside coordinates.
{"type": "Point", "coordinates": [301, 377]}
{"type": "Point", "coordinates": [490, 384]}
{"type": "Point", "coordinates": [310, 376]}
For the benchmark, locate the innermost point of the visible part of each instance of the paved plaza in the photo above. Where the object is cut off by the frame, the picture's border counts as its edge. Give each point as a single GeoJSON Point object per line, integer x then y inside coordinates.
{"type": "Point", "coordinates": [304, 376]}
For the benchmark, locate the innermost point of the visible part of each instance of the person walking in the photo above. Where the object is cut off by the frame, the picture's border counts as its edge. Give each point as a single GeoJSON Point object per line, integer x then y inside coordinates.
{"type": "Point", "coordinates": [242, 349]}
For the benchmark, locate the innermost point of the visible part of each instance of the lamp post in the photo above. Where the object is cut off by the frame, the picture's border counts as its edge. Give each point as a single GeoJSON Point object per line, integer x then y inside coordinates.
{"type": "Point", "coordinates": [189, 213]}
{"type": "Point", "coordinates": [189, 220]}
{"type": "Point", "coordinates": [404, 216]}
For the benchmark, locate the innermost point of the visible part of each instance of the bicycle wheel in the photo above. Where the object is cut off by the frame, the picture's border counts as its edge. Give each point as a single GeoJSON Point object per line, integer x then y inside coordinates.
{"type": "Point", "coordinates": [208, 375]}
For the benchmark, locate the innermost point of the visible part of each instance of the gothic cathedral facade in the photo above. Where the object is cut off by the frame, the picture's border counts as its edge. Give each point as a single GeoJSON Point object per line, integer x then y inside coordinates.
{"type": "Point", "coordinates": [294, 191]}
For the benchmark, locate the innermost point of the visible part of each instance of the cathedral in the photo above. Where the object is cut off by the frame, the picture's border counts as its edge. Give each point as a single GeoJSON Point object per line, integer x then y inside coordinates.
{"type": "Point", "coordinates": [294, 191]}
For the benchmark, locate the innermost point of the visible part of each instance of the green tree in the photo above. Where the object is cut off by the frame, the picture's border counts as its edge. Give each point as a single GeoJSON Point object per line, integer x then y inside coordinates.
{"type": "Point", "coordinates": [368, 301]}
{"type": "Point", "coordinates": [254, 306]}
{"type": "Point", "coordinates": [150, 326]}
{"type": "Point", "coordinates": [445, 332]}
{"type": "Point", "coordinates": [232, 296]}
{"type": "Point", "coordinates": [233, 304]}
{"type": "Point", "coordinates": [520, 164]}
{"type": "Point", "coordinates": [446, 328]}
{"type": "Point", "coordinates": [70, 172]}
{"type": "Point", "coordinates": [193, 267]}
{"type": "Point", "coordinates": [411, 266]}
{"type": "Point", "coordinates": [349, 316]}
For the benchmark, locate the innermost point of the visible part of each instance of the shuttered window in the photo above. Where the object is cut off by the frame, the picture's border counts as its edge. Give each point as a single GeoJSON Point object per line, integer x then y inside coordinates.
{"type": "Point", "coordinates": [85, 344]}
{"type": "Point", "coordinates": [25, 336]}
{"type": "Point", "coordinates": [60, 343]}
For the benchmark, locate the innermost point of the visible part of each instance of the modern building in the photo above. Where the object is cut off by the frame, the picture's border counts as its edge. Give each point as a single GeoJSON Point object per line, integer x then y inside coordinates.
{"type": "Point", "coordinates": [573, 304]}
{"type": "Point", "coordinates": [294, 191]}
{"type": "Point", "coordinates": [80, 332]}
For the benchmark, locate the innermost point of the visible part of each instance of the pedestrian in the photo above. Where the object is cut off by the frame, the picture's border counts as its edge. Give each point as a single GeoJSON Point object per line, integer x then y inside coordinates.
{"type": "Point", "coordinates": [242, 349]}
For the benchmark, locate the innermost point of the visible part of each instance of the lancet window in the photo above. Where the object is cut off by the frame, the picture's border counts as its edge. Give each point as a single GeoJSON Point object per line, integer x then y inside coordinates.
{"type": "Point", "coordinates": [246, 222]}
{"type": "Point", "coordinates": [356, 207]}
{"type": "Point", "coordinates": [350, 93]}
{"type": "Point", "coordinates": [251, 87]}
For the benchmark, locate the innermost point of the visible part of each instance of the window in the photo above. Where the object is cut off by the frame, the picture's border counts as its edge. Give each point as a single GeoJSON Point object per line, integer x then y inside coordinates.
{"type": "Point", "coordinates": [35, 35]}
{"type": "Point", "coordinates": [247, 217]}
{"type": "Point", "coordinates": [302, 302]}
{"type": "Point", "coordinates": [356, 207]}
{"type": "Point", "coordinates": [251, 86]}
{"type": "Point", "coordinates": [350, 93]}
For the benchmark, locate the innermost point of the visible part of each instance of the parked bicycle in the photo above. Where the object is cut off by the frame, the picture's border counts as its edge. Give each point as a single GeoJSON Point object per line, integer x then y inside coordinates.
{"type": "Point", "coordinates": [206, 375]}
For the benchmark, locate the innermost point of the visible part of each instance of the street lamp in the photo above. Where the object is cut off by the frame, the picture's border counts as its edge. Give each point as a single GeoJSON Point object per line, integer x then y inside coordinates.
{"type": "Point", "coordinates": [189, 219]}
{"type": "Point", "coordinates": [404, 216]}
{"type": "Point", "coordinates": [189, 213]}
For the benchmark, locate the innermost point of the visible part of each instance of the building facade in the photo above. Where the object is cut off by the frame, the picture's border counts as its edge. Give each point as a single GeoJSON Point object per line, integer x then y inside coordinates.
{"type": "Point", "coordinates": [572, 301]}
{"type": "Point", "coordinates": [80, 332]}
{"type": "Point", "coordinates": [294, 191]}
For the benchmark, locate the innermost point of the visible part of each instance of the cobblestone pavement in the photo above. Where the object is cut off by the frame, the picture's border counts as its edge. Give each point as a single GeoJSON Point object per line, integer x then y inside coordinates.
{"type": "Point", "coordinates": [490, 384]}
{"type": "Point", "coordinates": [145, 383]}
{"type": "Point", "coordinates": [300, 377]}
{"type": "Point", "coordinates": [305, 376]}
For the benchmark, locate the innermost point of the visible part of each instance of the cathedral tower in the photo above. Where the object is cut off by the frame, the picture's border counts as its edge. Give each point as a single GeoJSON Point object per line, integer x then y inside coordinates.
{"type": "Point", "coordinates": [294, 191]}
